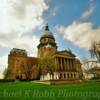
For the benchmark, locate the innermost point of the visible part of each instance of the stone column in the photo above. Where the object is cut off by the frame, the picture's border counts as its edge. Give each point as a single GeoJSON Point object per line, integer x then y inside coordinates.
{"type": "Point", "coordinates": [61, 64]}
{"type": "Point", "coordinates": [68, 61]}
{"type": "Point", "coordinates": [74, 65]}
{"type": "Point", "coordinates": [71, 61]}
{"type": "Point", "coordinates": [56, 64]}
{"type": "Point", "coordinates": [62, 75]}
{"type": "Point", "coordinates": [65, 65]}
{"type": "Point", "coordinates": [66, 76]}
{"type": "Point", "coordinates": [70, 65]}
{"type": "Point", "coordinates": [72, 75]}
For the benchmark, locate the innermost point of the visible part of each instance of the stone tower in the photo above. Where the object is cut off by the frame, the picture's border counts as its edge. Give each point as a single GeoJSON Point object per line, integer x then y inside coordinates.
{"type": "Point", "coordinates": [47, 46]}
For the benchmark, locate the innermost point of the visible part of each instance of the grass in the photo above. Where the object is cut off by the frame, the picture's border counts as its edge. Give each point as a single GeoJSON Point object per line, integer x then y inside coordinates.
{"type": "Point", "coordinates": [36, 91]}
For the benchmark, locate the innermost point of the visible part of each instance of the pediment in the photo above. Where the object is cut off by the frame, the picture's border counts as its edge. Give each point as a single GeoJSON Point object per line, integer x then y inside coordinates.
{"type": "Point", "coordinates": [66, 53]}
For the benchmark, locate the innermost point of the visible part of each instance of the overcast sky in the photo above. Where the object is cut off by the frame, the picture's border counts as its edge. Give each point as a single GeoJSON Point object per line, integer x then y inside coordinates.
{"type": "Point", "coordinates": [74, 23]}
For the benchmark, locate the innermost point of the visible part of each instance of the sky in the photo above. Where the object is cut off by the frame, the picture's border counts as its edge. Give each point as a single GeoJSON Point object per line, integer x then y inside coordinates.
{"type": "Point", "coordinates": [74, 23]}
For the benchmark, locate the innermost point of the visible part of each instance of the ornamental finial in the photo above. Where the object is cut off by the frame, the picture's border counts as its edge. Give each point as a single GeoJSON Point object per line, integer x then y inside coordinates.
{"type": "Point", "coordinates": [46, 28]}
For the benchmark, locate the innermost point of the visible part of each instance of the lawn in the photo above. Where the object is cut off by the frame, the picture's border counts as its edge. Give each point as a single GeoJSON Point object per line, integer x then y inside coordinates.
{"type": "Point", "coordinates": [36, 91]}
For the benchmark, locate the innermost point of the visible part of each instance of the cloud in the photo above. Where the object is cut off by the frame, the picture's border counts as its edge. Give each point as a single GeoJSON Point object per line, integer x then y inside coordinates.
{"type": "Point", "coordinates": [54, 11]}
{"type": "Point", "coordinates": [3, 60]}
{"type": "Point", "coordinates": [81, 34]}
{"type": "Point", "coordinates": [21, 15]}
{"type": "Point", "coordinates": [18, 17]}
{"type": "Point", "coordinates": [89, 11]}
{"type": "Point", "coordinates": [23, 42]}
{"type": "Point", "coordinates": [3, 64]}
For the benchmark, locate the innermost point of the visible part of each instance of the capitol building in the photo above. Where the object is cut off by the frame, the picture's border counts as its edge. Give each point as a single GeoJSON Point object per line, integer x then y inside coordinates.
{"type": "Point", "coordinates": [64, 65]}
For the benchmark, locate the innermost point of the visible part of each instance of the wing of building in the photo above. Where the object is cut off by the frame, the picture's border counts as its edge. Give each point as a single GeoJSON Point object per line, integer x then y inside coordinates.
{"type": "Point", "coordinates": [66, 65]}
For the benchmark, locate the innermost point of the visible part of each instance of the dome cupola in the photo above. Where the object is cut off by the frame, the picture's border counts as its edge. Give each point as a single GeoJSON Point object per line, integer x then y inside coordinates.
{"type": "Point", "coordinates": [47, 45]}
{"type": "Point", "coordinates": [46, 33]}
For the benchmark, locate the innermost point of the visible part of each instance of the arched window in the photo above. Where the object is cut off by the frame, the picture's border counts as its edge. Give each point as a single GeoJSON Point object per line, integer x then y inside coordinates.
{"type": "Point", "coordinates": [71, 75]}
{"type": "Point", "coordinates": [68, 75]}
{"type": "Point", "coordinates": [64, 75]}
{"type": "Point", "coordinates": [74, 75]}
{"type": "Point", "coordinates": [60, 76]}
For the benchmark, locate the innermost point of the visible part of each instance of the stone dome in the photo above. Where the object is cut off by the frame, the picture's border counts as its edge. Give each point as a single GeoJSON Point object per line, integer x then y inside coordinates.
{"type": "Point", "coordinates": [46, 33]}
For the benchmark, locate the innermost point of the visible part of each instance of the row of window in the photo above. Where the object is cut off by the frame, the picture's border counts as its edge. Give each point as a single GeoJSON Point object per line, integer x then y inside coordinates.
{"type": "Point", "coordinates": [47, 40]}
{"type": "Point", "coordinates": [68, 75]}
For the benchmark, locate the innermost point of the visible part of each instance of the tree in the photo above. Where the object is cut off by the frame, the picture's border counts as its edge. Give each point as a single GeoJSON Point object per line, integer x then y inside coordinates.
{"type": "Point", "coordinates": [27, 70]}
{"type": "Point", "coordinates": [6, 73]}
{"type": "Point", "coordinates": [95, 50]}
{"type": "Point", "coordinates": [46, 65]}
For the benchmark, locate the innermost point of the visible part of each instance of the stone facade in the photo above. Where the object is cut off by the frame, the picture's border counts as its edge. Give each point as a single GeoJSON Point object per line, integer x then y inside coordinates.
{"type": "Point", "coordinates": [21, 66]}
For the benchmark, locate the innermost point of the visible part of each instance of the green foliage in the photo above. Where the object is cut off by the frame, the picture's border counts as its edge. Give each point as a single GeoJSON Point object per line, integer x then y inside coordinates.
{"type": "Point", "coordinates": [47, 64]}
{"type": "Point", "coordinates": [6, 73]}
